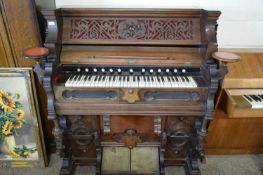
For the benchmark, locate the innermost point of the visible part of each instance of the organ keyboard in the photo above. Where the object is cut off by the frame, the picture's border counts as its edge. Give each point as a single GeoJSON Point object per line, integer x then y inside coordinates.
{"type": "Point", "coordinates": [131, 79]}
{"type": "Point", "coordinates": [131, 91]}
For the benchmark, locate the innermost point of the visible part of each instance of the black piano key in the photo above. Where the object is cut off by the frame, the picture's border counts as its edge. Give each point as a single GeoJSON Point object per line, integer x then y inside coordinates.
{"type": "Point", "coordinates": [89, 78]}
{"type": "Point", "coordinates": [259, 98]}
{"type": "Point", "coordinates": [183, 79]}
{"type": "Point", "coordinates": [148, 79]}
{"type": "Point", "coordinates": [114, 78]}
{"type": "Point", "coordinates": [100, 77]}
{"type": "Point", "coordinates": [103, 78]}
{"type": "Point", "coordinates": [152, 78]}
{"type": "Point", "coordinates": [168, 78]}
{"type": "Point", "coordinates": [248, 98]}
{"type": "Point", "coordinates": [162, 78]}
{"type": "Point", "coordinates": [79, 77]}
{"type": "Point", "coordinates": [187, 79]}
{"type": "Point", "coordinates": [252, 97]}
{"type": "Point", "coordinates": [255, 98]}
{"type": "Point", "coordinates": [138, 78]}
{"type": "Point", "coordinates": [96, 77]}
{"type": "Point", "coordinates": [158, 79]}
{"type": "Point", "coordinates": [176, 79]}
{"type": "Point", "coordinates": [120, 78]}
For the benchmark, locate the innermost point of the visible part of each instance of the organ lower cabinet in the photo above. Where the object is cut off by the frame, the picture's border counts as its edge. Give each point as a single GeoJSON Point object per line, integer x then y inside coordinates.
{"type": "Point", "coordinates": [131, 144]}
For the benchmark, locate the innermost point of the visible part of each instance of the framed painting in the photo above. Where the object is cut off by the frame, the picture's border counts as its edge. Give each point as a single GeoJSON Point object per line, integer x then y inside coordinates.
{"type": "Point", "coordinates": [21, 137]}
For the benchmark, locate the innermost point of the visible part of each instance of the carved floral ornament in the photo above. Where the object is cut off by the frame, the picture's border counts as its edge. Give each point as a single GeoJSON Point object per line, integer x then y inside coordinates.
{"type": "Point", "coordinates": [149, 29]}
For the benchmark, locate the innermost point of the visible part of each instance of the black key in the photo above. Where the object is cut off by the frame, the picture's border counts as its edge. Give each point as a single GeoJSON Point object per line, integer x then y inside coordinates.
{"type": "Point", "coordinates": [162, 78]}
{"type": "Point", "coordinates": [183, 78]}
{"type": "Point", "coordinates": [248, 98]}
{"type": "Point", "coordinates": [120, 77]}
{"type": "Point", "coordinates": [176, 79]}
{"type": "Point", "coordinates": [148, 79]}
{"type": "Point", "coordinates": [70, 77]}
{"type": "Point", "coordinates": [114, 77]}
{"type": "Point", "coordinates": [258, 99]}
{"type": "Point", "coordinates": [100, 77]}
{"type": "Point", "coordinates": [144, 78]}
{"type": "Point", "coordinates": [85, 78]}
{"type": "Point", "coordinates": [138, 78]}
{"type": "Point", "coordinates": [79, 77]}
{"type": "Point", "coordinates": [168, 78]}
{"type": "Point", "coordinates": [152, 78]}
{"type": "Point", "coordinates": [103, 78]}
{"type": "Point", "coordinates": [187, 79]}
{"type": "Point", "coordinates": [134, 78]}
{"type": "Point", "coordinates": [89, 78]}
{"type": "Point", "coordinates": [252, 97]}
{"type": "Point", "coordinates": [255, 98]}
{"type": "Point", "coordinates": [158, 79]}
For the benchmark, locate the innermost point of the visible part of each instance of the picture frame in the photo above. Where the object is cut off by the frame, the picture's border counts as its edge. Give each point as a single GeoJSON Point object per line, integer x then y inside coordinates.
{"type": "Point", "coordinates": [21, 136]}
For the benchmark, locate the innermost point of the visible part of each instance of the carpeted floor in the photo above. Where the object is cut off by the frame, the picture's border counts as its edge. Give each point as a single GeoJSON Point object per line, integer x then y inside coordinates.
{"type": "Point", "coordinates": [215, 165]}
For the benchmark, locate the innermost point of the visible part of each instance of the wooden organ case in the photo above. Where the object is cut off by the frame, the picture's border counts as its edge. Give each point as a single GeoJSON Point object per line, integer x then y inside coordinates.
{"type": "Point", "coordinates": [131, 91]}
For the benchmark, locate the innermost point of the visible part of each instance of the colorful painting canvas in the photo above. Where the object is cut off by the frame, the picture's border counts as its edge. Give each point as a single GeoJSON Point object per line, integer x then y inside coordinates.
{"type": "Point", "coordinates": [21, 141]}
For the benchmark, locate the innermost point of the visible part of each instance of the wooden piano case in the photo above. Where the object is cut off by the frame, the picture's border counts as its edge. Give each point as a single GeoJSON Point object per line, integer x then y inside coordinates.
{"type": "Point", "coordinates": [241, 125]}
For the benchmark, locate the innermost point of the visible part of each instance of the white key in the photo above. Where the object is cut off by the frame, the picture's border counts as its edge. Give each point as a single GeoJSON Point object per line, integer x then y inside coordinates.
{"type": "Point", "coordinates": [87, 82]}
{"type": "Point", "coordinates": [75, 82]}
{"type": "Point", "coordinates": [91, 82]}
{"type": "Point", "coordinates": [69, 80]}
{"type": "Point", "coordinates": [193, 82]}
{"type": "Point", "coordinates": [81, 81]}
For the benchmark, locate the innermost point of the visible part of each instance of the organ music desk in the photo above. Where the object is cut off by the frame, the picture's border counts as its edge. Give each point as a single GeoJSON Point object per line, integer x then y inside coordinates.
{"type": "Point", "coordinates": [131, 91]}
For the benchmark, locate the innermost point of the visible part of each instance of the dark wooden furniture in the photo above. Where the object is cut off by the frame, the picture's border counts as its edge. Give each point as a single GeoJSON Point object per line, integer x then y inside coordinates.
{"type": "Point", "coordinates": [131, 90]}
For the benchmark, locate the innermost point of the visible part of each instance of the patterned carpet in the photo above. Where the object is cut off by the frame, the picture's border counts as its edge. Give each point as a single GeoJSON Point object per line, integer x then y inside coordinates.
{"type": "Point", "coordinates": [215, 165]}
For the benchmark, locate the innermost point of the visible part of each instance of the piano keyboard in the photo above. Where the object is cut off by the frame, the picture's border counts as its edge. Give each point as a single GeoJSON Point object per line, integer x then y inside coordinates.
{"type": "Point", "coordinates": [256, 101]}
{"type": "Point", "coordinates": [131, 81]}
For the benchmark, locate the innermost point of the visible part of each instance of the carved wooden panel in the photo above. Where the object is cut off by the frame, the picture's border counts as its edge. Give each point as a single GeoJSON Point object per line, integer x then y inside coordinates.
{"type": "Point", "coordinates": [131, 30]}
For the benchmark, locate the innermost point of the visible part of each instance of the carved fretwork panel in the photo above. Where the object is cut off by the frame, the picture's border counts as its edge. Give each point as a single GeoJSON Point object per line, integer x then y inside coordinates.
{"type": "Point", "coordinates": [131, 30]}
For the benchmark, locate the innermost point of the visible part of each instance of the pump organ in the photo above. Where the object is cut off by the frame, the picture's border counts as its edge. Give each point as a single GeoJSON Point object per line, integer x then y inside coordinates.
{"type": "Point", "coordinates": [131, 91]}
